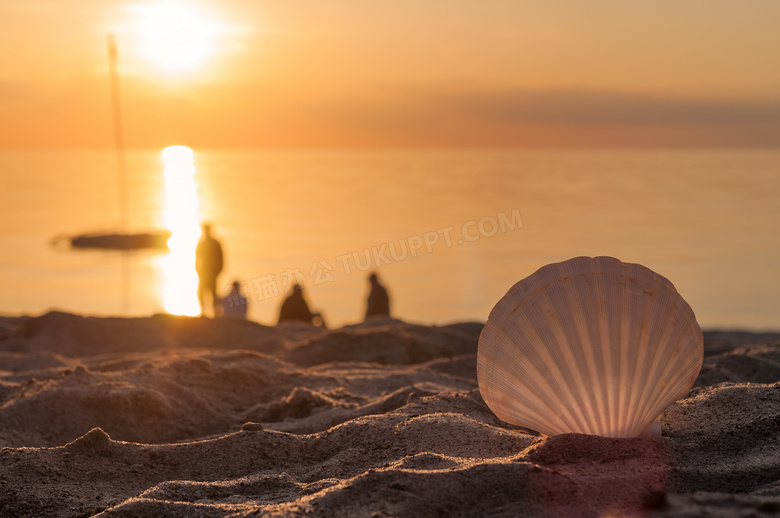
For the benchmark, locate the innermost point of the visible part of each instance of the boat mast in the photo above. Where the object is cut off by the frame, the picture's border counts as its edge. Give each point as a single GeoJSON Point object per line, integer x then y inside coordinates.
{"type": "Point", "coordinates": [119, 140]}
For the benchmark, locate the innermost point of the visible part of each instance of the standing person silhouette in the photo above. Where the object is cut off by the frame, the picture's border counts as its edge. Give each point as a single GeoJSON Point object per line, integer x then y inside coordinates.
{"type": "Point", "coordinates": [378, 299]}
{"type": "Point", "coordinates": [208, 264]}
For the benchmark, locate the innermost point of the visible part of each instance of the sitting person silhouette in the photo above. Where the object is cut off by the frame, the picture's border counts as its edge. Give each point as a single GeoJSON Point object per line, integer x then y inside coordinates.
{"type": "Point", "coordinates": [294, 307]}
{"type": "Point", "coordinates": [378, 299]}
{"type": "Point", "coordinates": [234, 305]}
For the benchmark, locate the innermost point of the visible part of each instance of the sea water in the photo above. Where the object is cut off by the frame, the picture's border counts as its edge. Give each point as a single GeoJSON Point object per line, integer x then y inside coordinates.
{"type": "Point", "coordinates": [448, 231]}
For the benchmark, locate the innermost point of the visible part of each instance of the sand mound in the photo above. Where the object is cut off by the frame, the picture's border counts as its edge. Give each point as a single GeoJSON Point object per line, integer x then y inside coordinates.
{"type": "Point", "coordinates": [388, 342]}
{"type": "Point", "coordinates": [169, 416]}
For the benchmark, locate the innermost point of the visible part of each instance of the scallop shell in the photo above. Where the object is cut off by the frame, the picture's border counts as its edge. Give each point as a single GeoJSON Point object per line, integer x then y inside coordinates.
{"type": "Point", "coordinates": [589, 345]}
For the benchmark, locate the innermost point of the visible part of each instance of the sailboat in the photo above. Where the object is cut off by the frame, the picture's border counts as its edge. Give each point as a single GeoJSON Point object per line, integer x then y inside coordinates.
{"type": "Point", "coordinates": [121, 239]}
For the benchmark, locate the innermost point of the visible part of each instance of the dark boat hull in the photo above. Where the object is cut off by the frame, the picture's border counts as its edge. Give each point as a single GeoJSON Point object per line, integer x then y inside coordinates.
{"type": "Point", "coordinates": [113, 241]}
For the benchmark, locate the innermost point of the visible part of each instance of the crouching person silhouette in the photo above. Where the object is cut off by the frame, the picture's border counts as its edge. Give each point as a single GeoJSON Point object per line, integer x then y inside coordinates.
{"type": "Point", "coordinates": [295, 307]}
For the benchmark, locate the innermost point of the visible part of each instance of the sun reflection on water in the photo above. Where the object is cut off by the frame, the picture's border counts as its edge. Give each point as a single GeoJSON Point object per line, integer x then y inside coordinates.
{"type": "Point", "coordinates": [181, 218]}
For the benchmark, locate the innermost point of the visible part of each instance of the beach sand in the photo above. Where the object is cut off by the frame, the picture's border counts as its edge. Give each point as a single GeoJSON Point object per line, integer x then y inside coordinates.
{"type": "Point", "coordinates": [176, 416]}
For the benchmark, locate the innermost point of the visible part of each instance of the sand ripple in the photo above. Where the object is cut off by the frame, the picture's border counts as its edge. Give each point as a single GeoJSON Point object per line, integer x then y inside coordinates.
{"type": "Point", "coordinates": [169, 416]}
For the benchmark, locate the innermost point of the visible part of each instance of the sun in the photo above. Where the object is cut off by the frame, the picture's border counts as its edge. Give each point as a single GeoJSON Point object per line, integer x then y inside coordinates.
{"type": "Point", "coordinates": [176, 36]}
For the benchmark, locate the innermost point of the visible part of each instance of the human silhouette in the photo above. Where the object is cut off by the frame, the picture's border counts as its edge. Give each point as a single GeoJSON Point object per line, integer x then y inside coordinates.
{"type": "Point", "coordinates": [208, 264]}
{"type": "Point", "coordinates": [295, 307]}
{"type": "Point", "coordinates": [378, 299]}
{"type": "Point", "coordinates": [234, 305]}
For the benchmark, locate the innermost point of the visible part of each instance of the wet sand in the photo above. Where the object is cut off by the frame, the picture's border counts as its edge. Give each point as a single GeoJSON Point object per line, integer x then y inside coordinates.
{"type": "Point", "coordinates": [176, 416]}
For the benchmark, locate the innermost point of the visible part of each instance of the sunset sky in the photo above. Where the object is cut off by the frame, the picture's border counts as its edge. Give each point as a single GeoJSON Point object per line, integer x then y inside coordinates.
{"type": "Point", "coordinates": [340, 73]}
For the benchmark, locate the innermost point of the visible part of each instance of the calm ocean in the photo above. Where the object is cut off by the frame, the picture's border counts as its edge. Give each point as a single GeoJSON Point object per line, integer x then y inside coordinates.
{"type": "Point", "coordinates": [442, 227]}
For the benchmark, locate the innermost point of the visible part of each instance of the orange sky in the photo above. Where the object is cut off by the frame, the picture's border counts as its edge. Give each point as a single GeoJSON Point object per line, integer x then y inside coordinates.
{"type": "Point", "coordinates": [401, 73]}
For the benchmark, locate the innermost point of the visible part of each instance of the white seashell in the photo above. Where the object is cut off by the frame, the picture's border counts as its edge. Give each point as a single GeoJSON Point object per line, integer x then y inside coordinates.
{"type": "Point", "coordinates": [589, 345]}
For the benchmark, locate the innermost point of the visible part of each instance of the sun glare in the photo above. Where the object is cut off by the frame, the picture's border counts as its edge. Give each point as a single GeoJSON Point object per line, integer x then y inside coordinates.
{"type": "Point", "coordinates": [181, 218]}
{"type": "Point", "coordinates": [177, 36]}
